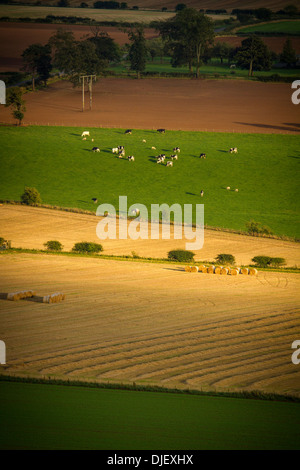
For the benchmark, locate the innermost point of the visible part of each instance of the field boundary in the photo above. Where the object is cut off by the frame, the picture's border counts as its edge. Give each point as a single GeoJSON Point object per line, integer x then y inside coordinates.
{"type": "Point", "coordinates": [252, 395]}
{"type": "Point", "coordinates": [207, 227]}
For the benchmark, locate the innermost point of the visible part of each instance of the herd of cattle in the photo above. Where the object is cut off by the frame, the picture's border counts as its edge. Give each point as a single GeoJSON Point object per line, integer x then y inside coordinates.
{"type": "Point", "coordinates": [120, 151]}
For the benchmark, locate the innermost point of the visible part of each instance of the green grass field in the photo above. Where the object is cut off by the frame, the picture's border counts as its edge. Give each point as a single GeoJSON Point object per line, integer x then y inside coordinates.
{"type": "Point", "coordinates": [282, 27]}
{"type": "Point", "coordinates": [67, 173]}
{"type": "Point", "coordinates": [37, 416]}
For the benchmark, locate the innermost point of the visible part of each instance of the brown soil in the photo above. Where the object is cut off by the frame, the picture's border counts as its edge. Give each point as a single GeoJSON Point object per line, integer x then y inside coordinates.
{"type": "Point", "coordinates": [152, 324]}
{"type": "Point", "coordinates": [30, 227]}
{"type": "Point", "coordinates": [274, 43]}
{"type": "Point", "coordinates": [200, 105]}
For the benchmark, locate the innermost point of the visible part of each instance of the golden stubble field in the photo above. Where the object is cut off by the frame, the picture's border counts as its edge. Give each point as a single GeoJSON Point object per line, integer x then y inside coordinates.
{"type": "Point", "coordinates": [125, 321]}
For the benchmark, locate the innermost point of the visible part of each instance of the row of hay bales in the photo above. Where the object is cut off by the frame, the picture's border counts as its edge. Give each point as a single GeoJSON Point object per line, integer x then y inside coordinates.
{"type": "Point", "coordinates": [24, 294]}
{"type": "Point", "coordinates": [221, 270]}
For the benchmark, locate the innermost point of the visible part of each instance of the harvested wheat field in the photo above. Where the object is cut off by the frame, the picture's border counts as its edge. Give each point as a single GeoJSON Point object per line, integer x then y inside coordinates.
{"type": "Point", "coordinates": [195, 105]}
{"type": "Point", "coordinates": [153, 324]}
{"type": "Point", "coordinates": [31, 227]}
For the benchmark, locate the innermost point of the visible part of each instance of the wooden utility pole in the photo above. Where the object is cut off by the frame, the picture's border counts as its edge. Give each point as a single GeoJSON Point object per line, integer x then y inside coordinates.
{"type": "Point", "coordinates": [89, 79]}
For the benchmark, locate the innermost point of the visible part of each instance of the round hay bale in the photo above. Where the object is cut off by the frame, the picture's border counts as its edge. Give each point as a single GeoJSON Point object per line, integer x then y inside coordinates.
{"type": "Point", "coordinates": [253, 272]}
{"type": "Point", "coordinates": [187, 269]}
{"type": "Point", "coordinates": [218, 269]}
{"type": "Point", "coordinates": [224, 271]}
{"type": "Point", "coordinates": [234, 272]}
{"type": "Point", "coordinates": [211, 269]}
{"type": "Point", "coordinates": [194, 269]}
{"type": "Point", "coordinates": [204, 269]}
{"type": "Point", "coordinates": [201, 268]}
{"type": "Point", "coordinates": [245, 271]}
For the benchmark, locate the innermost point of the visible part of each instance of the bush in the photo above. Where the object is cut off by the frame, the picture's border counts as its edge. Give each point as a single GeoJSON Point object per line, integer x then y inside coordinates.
{"type": "Point", "coordinates": [53, 245]}
{"type": "Point", "coordinates": [256, 228]}
{"type": "Point", "coordinates": [31, 196]}
{"type": "Point", "coordinates": [276, 262]}
{"type": "Point", "coordinates": [4, 244]}
{"type": "Point", "coordinates": [87, 247]}
{"type": "Point", "coordinates": [181, 255]}
{"type": "Point", "coordinates": [224, 258]}
{"type": "Point", "coordinates": [262, 261]}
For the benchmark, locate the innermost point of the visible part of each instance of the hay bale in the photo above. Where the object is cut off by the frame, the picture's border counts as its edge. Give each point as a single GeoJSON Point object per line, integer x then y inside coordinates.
{"type": "Point", "coordinates": [234, 272]}
{"type": "Point", "coordinates": [54, 298]}
{"type": "Point", "coordinates": [253, 272]}
{"type": "Point", "coordinates": [194, 269]}
{"type": "Point", "coordinates": [187, 269]}
{"type": "Point", "coordinates": [245, 271]}
{"type": "Point", "coordinates": [23, 294]}
{"type": "Point", "coordinates": [224, 271]}
{"type": "Point", "coordinates": [211, 269]}
{"type": "Point", "coordinates": [218, 269]}
{"type": "Point", "coordinates": [202, 268]}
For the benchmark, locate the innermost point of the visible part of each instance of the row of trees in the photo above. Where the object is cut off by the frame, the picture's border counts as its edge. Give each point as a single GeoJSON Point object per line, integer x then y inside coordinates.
{"type": "Point", "coordinates": [188, 38]}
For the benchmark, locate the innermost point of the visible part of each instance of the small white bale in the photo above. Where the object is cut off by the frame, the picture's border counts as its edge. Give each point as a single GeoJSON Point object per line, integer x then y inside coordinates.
{"type": "Point", "coordinates": [228, 188]}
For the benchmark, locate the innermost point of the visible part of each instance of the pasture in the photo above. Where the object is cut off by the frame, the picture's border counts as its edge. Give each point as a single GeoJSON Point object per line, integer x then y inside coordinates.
{"type": "Point", "coordinates": [291, 27]}
{"type": "Point", "coordinates": [35, 416]}
{"type": "Point", "coordinates": [67, 173]}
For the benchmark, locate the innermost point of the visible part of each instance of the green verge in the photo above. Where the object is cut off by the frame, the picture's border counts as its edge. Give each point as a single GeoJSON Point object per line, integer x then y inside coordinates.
{"type": "Point", "coordinates": [277, 27]}
{"type": "Point", "coordinates": [67, 173]}
{"type": "Point", "coordinates": [37, 416]}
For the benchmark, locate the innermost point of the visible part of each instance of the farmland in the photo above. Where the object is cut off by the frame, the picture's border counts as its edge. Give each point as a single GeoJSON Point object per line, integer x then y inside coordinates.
{"type": "Point", "coordinates": [281, 27]}
{"type": "Point", "coordinates": [52, 158]}
{"type": "Point", "coordinates": [37, 416]}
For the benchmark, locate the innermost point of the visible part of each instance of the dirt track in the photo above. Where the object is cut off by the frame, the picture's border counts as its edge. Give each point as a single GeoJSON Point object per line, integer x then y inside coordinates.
{"type": "Point", "coordinates": [29, 227]}
{"type": "Point", "coordinates": [154, 324]}
{"type": "Point", "coordinates": [212, 105]}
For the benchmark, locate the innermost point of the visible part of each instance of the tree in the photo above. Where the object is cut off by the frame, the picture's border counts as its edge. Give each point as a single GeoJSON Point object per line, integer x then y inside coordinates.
{"type": "Point", "coordinates": [138, 50]}
{"type": "Point", "coordinates": [155, 48]}
{"type": "Point", "coordinates": [37, 60]}
{"type": "Point", "coordinates": [189, 32]}
{"type": "Point", "coordinates": [222, 50]}
{"type": "Point", "coordinates": [254, 55]}
{"type": "Point", "coordinates": [288, 55]}
{"type": "Point", "coordinates": [63, 3]}
{"type": "Point", "coordinates": [263, 14]}
{"type": "Point", "coordinates": [75, 58]}
{"type": "Point", "coordinates": [31, 196]}
{"type": "Point", "coordinates": [15, 99]}
{"type": "Point", "coordinates": [180, 6]}
{"type": "Point", "coordinates": [225, 258]}
{"type": "Point", "coordinates": [107, 49]}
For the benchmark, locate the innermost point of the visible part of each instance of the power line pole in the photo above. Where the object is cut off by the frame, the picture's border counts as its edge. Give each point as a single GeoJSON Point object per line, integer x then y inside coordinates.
{"type": "Point", "coordinates": [90, 79]}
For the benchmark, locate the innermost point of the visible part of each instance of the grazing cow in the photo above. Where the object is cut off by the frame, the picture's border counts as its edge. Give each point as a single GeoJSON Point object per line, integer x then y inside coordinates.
{"type": "Point", "coordinates": [131, 158]}
{"type": "Point", "coordinates": [202, 193]}
{"type": "Point", "coordinates": [115, 150]}
{"type": "Point", "coordinates": [95, 200]}
{"type": "Point", "coordinates": [162, 156]}
{"type": "Point", "coordinates": [144, 141]}
{"type": "Point", "coordinates": [121, 152]}
{"type": "Point", "coordinates": [202, 155]}
{"type": "Point", "coordinates": [176, 149]}
{"type": "Point", "coordinates": [129, 131]}
{"type": "Point", "coordinates": [161, 131]}
{"type": "Point", "coordinates": [121, 147]}
{"type": "Point", "coordinates": [169, 163]}
{"type": "Point", "coordinates": [159, 160]}
{"type": "Point", "coordinates": [233, 150]}
{"type": "Point", "coordinates": [85, 133]}
{"type": "Point", "coordinates": [96, 149]}
{"type": "Point", "coordinates": [174, 157]}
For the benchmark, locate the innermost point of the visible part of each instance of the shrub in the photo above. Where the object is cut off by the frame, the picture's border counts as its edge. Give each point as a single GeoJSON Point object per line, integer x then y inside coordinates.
{"type": "Point", "coordinates": [262, 261]}
{"type": "Point", "coordinates": [31, 196]}
{"type": "Point", "coordinates": [224, 258]}
{"type": "Point", "coordinates": [87, 247]}
{"type": "Point", "coordinates": [181, 255]}
{"type": "Point", "coordinates": [4, 244]}
{"type": "Point", "coordinates": [276, 262]}
{"type": "Point", "coordinates": [256, 228]}
{"type": "Point", "coordinates": [53, 245]}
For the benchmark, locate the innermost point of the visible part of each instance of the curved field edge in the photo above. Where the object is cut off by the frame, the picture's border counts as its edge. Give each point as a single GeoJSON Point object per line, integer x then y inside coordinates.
{"type": "Point", "coordinates": [67, 173]}
{"type": "Point", "coordinates": [56, 417]}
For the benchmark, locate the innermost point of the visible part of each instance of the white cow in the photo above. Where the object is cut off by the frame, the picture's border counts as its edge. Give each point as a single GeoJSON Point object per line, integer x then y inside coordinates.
{"type": "Point", "coordinates": [169, 163]}
{"type": "Point", "coordinates": [85, 133]}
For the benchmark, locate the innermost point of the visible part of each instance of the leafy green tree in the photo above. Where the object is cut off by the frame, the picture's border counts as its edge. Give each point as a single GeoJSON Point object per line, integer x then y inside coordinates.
{"type": "Point", "coordinates": [225, 258]}
{"type": "Point", "coordinates": [254, 55]}
{"type": "Point", "coordinates": [107, 49]}
{"type": "Point", "coordinates": [181, 255]}
{"type": "Point", "coordinates": [156, 48]}
{"type": "Point", "coordinates": [37, 61]}
{"type": "Point", "coordinates": [180, 6]}
{"type": "Point", "coordinates": [288, 55]}
{"type": "Point", "coordinates": [137, 50]}
{"type": "Point", "coordinates": [15, 99]}
{"type": "Point", "coordinates": [189, 32]}
{"type": "Point", "coordinates": [31, 196]}
{"type": "Point", "coordinates": [53, 245]}
{"type": "Point", "coordinates": [263, 14]}
{"type": "Point", "coordinates": [222, 50]}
